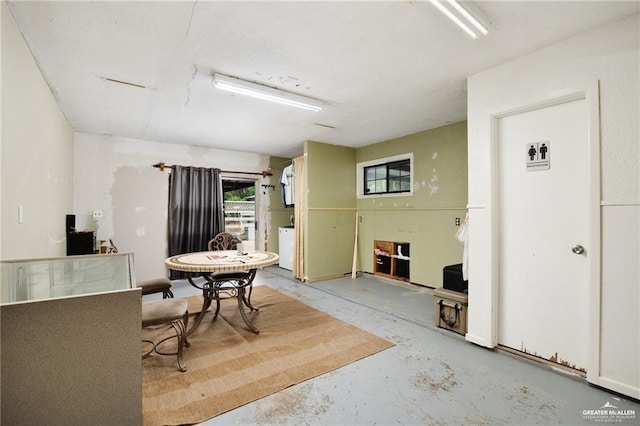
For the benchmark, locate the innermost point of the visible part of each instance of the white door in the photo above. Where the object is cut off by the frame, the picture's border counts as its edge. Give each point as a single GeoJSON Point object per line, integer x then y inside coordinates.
{"type": "Point", "coordinates": [543, 289]}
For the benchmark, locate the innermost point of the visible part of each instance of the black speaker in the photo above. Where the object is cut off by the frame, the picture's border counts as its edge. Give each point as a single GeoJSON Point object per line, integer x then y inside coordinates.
{"type": "Point", "coordinates": [452, 278]}
{"type": "Point", "coordinates": [71, 223]}
{"type": "Point", "coordinates": [79, 242]}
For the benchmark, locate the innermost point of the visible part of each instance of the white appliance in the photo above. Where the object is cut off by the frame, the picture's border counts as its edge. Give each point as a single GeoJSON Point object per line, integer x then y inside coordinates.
{"type": "Point", "coordinates": [285, 243]}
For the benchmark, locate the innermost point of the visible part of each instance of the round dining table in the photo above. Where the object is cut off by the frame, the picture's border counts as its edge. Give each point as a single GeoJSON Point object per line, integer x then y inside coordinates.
{"type": "Point", "coordinates": [225, 273]}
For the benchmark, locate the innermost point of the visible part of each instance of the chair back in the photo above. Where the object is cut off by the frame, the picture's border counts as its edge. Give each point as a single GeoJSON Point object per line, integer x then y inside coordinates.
{"type": "Point", "coordinates": [223, 241]}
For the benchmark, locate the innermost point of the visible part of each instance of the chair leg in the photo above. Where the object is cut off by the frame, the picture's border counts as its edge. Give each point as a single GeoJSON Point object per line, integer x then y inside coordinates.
{"type": "Point", "coordinates": [181, 335]}
{"type": "Point", "coordinates": [185, 322]}
{"type": "Point", "coordinates": [180, 327]}
{"type": "Point", "coordinates": [167, 294]}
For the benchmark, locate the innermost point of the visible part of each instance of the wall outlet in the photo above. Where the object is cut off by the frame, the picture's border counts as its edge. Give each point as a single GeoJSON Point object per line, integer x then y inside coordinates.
{"type": "Point", "coordinates": [96, 214]}
{"type": "Point", "coordinates": [457, 221]}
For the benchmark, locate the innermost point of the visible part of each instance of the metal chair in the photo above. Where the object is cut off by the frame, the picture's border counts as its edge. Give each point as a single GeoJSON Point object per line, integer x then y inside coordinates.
{"type": "Point", "coordinates": [223, 241]}
{"type": "Point", "coordinates": [230, 284]}
{"type": "Point", "coordinates": [167, 311]}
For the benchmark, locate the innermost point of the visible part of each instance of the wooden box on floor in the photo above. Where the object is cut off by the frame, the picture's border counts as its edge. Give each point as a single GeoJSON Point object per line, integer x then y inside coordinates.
{"type": "Point", "coordinates": [451, 310]}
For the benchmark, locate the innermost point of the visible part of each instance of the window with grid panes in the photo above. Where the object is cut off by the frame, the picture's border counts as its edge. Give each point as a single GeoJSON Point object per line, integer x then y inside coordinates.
{"type": "Point", "coordinates": [388, 178]}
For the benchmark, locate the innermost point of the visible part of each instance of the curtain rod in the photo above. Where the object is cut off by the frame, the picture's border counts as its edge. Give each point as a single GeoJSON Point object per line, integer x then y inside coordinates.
{"type": "Point", "coordinates": [163, 166]}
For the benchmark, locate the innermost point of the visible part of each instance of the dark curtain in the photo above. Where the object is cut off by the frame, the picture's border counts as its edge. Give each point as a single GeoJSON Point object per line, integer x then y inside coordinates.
{"type": "Point", "coordinates": [196, 212]}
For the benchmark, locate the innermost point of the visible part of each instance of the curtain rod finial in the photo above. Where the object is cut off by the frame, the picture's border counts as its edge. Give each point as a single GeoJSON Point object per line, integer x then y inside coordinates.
{"type": "Point", "coordinates": [160, 166]}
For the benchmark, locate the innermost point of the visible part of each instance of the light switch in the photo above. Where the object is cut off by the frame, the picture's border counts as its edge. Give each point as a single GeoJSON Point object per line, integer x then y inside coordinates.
{"type": "Point", "coordinates": [20, 214]}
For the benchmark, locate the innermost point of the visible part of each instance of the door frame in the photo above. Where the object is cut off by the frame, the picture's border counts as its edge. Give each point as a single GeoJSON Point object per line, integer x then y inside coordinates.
{"type": "Point", "coordinates": [590, 93]}
{"type": "Point", "coordinates": [260, 223]}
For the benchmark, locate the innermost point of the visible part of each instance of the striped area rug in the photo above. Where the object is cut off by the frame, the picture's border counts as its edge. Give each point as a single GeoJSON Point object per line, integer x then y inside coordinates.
{"type": "Point", "coordinates": [229, 366]}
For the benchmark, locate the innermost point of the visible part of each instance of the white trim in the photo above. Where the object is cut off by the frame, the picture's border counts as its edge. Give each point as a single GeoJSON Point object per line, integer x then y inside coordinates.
{"type": "Point", "coordinates": [620, 203]}
{"type": "Point", "coordinates": [259, 209]}
{"type": "Point", "coordinates": [476, 206]}
{"type": "Point", "coordinates": [494, 218]}
{"type": "Point", "coordinates": [590, 94]}
{"type": "Point", "coordinates": [616, 386]}
{"type": "Point", "coordinates": [479, 341]}
{"type": "Point", "coordinates": [239, 176]}
{"type": "Point", "coordinates": [380, 161]}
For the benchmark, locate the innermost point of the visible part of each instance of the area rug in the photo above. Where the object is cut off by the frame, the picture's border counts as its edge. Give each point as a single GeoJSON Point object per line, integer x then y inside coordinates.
{"type": "Point", "coordinates": [229, 366]}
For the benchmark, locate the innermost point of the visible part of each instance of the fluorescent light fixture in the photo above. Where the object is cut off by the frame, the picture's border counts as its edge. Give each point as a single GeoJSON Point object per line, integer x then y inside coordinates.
{"type": "Point", "coordinates": [461, 17]}
{"type": "Point", "coordinates": [469, 17]}
{"type": "Point", "coordinates": [266, 93]}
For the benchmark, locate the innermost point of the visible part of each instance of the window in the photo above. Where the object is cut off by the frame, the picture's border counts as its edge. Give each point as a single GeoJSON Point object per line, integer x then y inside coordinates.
{"type": "Point", "coordinates": [390, 176]}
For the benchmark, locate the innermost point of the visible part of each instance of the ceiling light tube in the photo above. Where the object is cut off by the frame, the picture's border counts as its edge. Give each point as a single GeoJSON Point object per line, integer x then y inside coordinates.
{"type": "Point", "coordinates": [266, 93]}
{"type": "Point", "coordinates": [454, 18]}
{"type": "Point", "coordinates": [469, 17]}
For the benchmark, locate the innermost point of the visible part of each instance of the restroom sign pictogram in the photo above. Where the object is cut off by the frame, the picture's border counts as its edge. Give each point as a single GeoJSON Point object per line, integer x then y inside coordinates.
{"type": "Point", "coordinates": [538, 156]}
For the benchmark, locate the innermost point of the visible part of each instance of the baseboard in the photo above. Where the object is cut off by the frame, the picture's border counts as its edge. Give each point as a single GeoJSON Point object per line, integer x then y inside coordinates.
{"type": "Point", "coordinates": [478, 341]}
{"type": "Point", "coordinates": [330, 277]}
{"type": "Point", "coordinates": [554, 365]}
{"type": "Point", "coordinates": [621, 388]}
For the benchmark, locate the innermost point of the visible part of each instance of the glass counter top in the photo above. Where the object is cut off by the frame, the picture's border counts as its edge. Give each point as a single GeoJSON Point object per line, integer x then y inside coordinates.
{"type": "Point", "coordinates": [37, 279]}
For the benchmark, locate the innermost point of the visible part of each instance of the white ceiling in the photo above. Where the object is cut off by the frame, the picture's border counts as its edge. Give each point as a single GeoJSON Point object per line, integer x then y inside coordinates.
{"type": "Point", "coordinates": [384, 68]}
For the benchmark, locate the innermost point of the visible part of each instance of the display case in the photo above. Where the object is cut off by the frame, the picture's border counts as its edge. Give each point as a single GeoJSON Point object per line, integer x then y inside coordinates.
{"type": "Point", "coordinates": [38, 279]}
{"type": "Point", "coordinates": [391, 259]}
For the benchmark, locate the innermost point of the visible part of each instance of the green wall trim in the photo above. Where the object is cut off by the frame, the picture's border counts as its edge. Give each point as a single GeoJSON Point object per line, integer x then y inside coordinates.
{"type": "Point", "coordinates": [425, 209]}
{"type": "Point", "coordinates": [353, 209]}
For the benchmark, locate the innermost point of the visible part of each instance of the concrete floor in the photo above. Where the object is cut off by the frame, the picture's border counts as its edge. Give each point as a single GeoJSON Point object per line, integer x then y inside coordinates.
{"type": "Point", "coordinates": [431, 377]}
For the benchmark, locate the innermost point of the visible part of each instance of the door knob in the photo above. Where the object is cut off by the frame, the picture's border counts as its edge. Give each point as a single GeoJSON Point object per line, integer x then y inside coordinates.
{"type": "Point", "coordinates": [577, 249]}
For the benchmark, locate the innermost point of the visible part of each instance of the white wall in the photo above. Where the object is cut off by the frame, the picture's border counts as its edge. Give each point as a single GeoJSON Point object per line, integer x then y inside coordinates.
{"type": "Point", "coordinates": [609, 55]}
{"type": "Point", "coordinates": [115, 175]}
{"type": "Point", "coordinates": [37, 155]}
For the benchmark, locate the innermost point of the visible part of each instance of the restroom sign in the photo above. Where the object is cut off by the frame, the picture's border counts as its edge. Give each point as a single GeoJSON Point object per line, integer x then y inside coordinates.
{"type": "Point", "coordinates": [538, 154]}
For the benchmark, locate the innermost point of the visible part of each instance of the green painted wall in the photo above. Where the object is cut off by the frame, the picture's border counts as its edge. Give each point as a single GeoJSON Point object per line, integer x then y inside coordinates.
{"type": "Point", "coordinates": [278, 214]}
{"type": "Point", "coordinates": [425, 220]}
{"type": "Point", "coordinates": [329, 209]}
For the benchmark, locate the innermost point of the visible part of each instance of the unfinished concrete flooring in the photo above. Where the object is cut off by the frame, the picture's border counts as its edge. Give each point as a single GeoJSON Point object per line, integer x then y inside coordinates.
{"type": "Point", "coordinates": [431, 377]}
